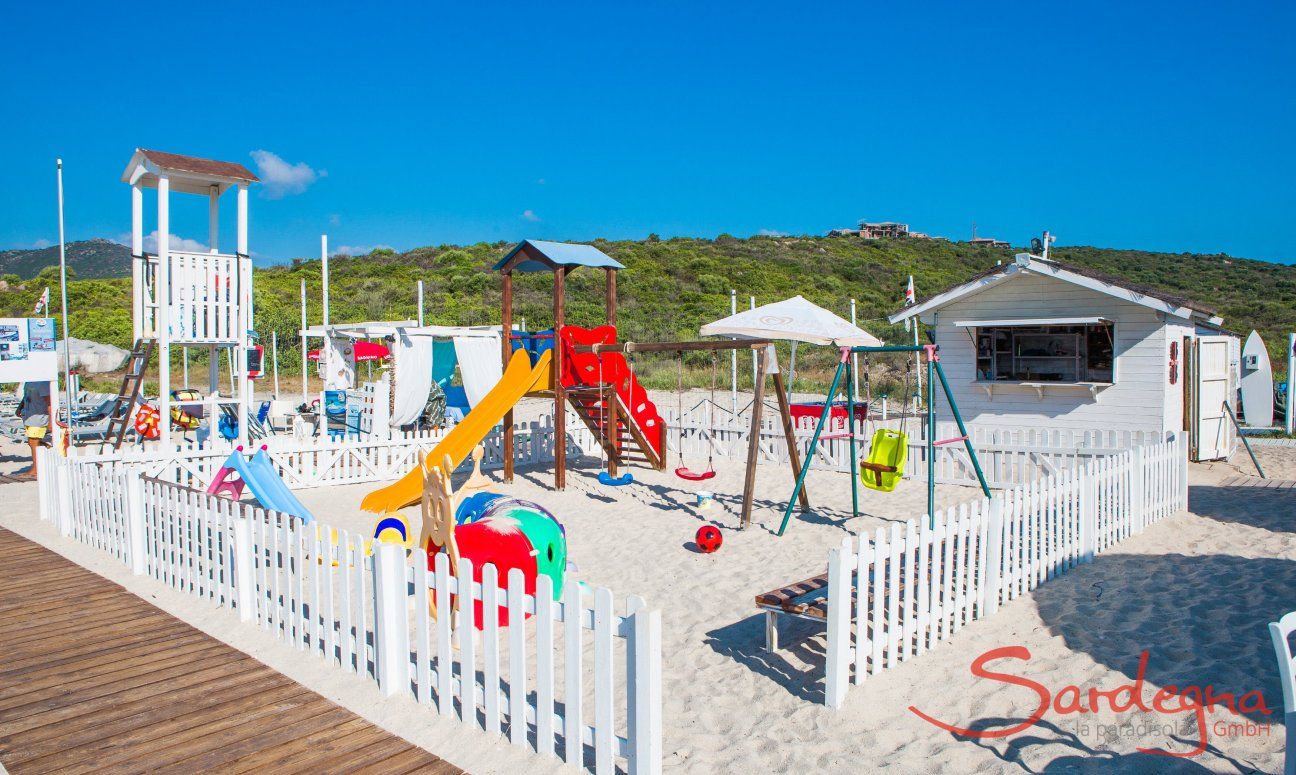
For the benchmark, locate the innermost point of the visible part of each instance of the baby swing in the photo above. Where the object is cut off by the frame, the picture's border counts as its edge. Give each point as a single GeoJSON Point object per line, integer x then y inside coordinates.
{"type": "Point", "coordinates": [888, 449]}
{"type": "Point", "coordinates": [608, 393]}
{"type": "Point", "coordinates": [683, 471]}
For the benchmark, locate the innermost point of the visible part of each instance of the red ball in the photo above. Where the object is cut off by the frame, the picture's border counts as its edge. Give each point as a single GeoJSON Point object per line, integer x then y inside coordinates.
{"type": "Point", "coordinates": [709, 538]}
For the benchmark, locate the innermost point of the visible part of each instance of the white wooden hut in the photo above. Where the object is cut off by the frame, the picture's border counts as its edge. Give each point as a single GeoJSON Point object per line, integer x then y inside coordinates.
{"type": "Point", "coordinates": [1036, 342]}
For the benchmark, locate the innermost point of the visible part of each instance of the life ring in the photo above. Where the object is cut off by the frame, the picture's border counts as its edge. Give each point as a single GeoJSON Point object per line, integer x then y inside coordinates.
{"type": "Point", "coordinates": [146, 422]}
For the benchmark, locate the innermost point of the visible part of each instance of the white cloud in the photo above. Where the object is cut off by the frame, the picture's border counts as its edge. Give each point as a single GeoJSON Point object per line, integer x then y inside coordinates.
{"type": "Point", "coordinates": [279, 178]}
{"type": "Point", "coordinates": [41, 243]}
{"type": "Point", "coordinates": [771, 233]}
{"type": "Point", "coordinates": [182, 244]}
{"type": "Point", "coordinates": [358, 250]}
{"type": "Point", "coordinates": [529, 215]}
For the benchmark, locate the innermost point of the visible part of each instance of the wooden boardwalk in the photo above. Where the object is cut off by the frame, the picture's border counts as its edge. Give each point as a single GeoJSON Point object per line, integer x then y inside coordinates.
{"type": "Point", "coordinates": [94, 679]}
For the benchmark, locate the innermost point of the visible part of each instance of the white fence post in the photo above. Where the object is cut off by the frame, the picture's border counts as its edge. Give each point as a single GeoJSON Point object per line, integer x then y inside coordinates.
{"type": "Point", "coordinates": [1088, 513]}
{"type": "Point", "coordinates": [839, 615]}
{"type": "Point", "coordinates": [1138, 491]}
{"type": "Point", "coordinates": [135, 521]}
{"type": "Point", "coordinates": [994, 555]}
{"type": "Point", "coordinates": [43, 476]}
{"type": "Point", "coordinates": [241, 562]}
{"type": "Point", "coordinates": [66, 502]}
{"type": "Point", "coordinates": [391, 620]}
{"type": "Point", "coordinates": [645, 684]}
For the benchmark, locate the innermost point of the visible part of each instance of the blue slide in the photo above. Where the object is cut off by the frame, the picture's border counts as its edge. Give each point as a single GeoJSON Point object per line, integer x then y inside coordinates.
{"type": "Point", "coordinates": [264, 483]}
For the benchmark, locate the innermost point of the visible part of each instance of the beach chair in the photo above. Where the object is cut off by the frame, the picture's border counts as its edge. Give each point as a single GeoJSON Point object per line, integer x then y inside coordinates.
{"type": "Point", "coordinates": [1281, 632]}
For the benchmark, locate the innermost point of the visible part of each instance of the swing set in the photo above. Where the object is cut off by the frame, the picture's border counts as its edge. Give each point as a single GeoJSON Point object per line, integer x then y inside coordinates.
{"type": "Point", "coordinates": [888, 450]}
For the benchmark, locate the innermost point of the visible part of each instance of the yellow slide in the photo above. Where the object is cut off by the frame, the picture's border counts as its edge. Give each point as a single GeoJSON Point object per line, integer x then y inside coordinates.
{"type": "Point", "coordinates": [518, 380]}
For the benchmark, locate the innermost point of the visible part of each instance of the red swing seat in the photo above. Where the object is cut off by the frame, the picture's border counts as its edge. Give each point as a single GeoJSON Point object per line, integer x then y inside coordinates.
{"type": "Point", "coordinates": [694, 476]}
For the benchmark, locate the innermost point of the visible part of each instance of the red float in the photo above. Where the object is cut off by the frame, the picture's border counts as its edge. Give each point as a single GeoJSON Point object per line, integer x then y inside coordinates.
{"type": "Point", "coordinates": [499, 542]}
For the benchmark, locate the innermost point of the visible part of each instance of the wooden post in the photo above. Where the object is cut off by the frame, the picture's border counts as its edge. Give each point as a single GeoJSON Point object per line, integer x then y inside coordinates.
{"type": "Point", "coordinates": [994, 555]}
{"type": "Point", "coordinates": [789, 434]}
{"type": "Point", "coordinates": [560, 397]}
{"type": "Point", "coordinates": [611, 296]}
{"type": "Point", "coordinates": [644, 683]}
{"type": "Point", "coordinates": [507, 346]}
{"type": "Point", "coordinates": [837, 667]}
{"type": "Point", "coordinates": [612, 429]}
{"type": "Point", "coordinates": [753, 442]}
{"type": "Point", "coordinates": [391, 620]}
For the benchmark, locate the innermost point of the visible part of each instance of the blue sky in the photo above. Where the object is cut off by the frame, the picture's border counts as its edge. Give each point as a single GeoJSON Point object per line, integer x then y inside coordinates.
{"type": "Point", "coordinates": [1163, 126]}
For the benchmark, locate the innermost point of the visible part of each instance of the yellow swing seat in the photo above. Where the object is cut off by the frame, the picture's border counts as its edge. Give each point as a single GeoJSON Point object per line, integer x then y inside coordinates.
{"type": "Point", "coordinates": [885, 465]}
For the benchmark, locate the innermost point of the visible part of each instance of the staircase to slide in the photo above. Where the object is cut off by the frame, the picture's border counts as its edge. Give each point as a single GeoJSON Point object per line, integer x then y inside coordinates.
{"type": "Point", "coordinates": [592, 381]}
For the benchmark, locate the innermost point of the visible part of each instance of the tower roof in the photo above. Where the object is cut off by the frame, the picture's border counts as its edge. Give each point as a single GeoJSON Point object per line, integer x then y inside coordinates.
{"type": "Point", "coordinates": [190, 174]}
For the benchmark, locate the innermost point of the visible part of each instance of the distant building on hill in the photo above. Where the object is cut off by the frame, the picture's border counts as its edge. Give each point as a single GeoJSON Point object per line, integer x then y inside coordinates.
{"type": "Point", "coordinates": [991, 241]}
{"type": "Point", "coordinates": [881, 230]}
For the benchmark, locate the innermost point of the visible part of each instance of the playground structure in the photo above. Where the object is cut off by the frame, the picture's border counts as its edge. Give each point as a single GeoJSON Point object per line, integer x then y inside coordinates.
{"type": "Point", "coordinates": [886, 472]}
{"type": "Point", "coordinates": [189, 299]}
{"type": "Point", "coordinates": [593, 375]}
{"type": "Point", "coordinates": [258, 477]}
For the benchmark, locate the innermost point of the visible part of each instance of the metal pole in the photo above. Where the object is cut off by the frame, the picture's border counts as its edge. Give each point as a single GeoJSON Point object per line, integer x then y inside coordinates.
{"type": "Point", "coordinates": [1245, 443]}
{"type": "Point", "coordinates": [854, 466]}
{"type": "Point", "coordinates": [1288, 420]}
{"type": "Point", "coordinates": [420, 303]}
{"type": "Point", "coordinates": [931, 447]}
{"type": "Point", "coordinates": [274, 360]}
{"type": "Point", "coordinates": [325, 274]}
{"type": "Point", "coordinates": [917, 365]}
{"type": "Point", "coordinates": [67, 335]}
{"type": "Point", "coordinates": [814, 441]}
{"type": "Point", "coordinates": [305, 361]}
{"type": "Point", "coordinates": [733, 379]}
{"type": "Point", "coordinates": [184, 365]}
{"type": "Point", "coordinates": [854, 360]}
{"type": "Point", "coordinates": [963, 431]}
{"type": "Point", "coordinates": [752, 302]}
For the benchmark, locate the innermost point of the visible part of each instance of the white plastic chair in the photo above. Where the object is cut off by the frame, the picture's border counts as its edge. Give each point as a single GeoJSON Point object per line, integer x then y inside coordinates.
{"type": "Point", "coordinates": [1280, 631]}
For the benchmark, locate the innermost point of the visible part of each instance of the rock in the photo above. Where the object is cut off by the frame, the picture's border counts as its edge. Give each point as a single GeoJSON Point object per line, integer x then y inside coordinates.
{"type": "Point", "coordinates": [93, 357]}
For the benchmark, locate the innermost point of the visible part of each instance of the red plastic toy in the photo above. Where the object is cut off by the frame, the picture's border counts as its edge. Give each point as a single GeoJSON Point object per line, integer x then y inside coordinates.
{"type": "Point", "coordinates": [709, 538]}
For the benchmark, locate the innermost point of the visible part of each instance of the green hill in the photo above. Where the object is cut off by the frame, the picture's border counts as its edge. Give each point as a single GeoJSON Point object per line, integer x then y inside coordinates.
{"type": "Point", "coordinates": [96, 258]}
{"type": "Point", "coordinates": [670, 287]}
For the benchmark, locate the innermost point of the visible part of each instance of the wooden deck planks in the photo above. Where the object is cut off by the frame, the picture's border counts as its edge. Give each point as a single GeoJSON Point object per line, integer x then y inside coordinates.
{"type": "Point", "coordinates": [94, 679]}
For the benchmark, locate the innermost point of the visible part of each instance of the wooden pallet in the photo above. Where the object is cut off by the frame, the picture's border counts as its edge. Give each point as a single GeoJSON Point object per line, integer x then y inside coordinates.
{"type": "Point", "coordinates": [94, 679]}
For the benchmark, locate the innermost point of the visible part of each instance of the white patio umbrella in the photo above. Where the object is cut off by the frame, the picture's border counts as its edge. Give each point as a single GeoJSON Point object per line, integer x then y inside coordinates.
{"type": "Point", "coordinates": [795, 320]}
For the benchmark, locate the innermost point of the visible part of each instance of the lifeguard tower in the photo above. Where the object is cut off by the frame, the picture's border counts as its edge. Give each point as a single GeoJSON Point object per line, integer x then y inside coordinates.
{"type": "Point", "coordinates": [190, 299]}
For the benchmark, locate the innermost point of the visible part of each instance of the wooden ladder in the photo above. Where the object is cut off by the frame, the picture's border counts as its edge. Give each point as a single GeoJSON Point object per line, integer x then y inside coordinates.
{"type": "Point", "coordinates": [629, 445]}
{"type": "Point", "coordinates": [120, 415]}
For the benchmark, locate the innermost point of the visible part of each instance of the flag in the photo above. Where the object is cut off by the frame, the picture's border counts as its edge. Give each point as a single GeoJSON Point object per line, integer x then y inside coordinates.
{"type": "Point", "coordinates": [909, 292]}
{"type": "Point", "coordinates": [42, 303]}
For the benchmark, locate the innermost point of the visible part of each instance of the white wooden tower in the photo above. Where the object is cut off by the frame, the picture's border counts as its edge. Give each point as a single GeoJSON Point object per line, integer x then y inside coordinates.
{"type": "Point", "coordinates": [192, 299]}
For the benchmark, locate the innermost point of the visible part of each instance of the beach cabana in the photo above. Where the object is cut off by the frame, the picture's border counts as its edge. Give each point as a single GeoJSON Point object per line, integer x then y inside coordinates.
{"type": "Point", "coordinates": [1041, 343]}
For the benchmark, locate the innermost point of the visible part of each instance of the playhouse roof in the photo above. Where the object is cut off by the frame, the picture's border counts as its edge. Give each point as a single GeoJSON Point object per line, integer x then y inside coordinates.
{"type": "Point", "coordinates": [794, 319]}
{"type": "Point", "coordinates": [191, 174]}
{"type": "Point", "coordinates": [542, 256]}
{"type": "Point", "coordinates": [1025, 263]}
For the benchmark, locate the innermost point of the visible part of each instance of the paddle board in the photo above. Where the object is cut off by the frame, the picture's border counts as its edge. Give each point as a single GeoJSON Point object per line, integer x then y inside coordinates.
{"type": "Point", "coordinates": [1257, 383]}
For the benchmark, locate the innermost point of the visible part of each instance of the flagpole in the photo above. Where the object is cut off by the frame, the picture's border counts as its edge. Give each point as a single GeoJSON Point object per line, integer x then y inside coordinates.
{"type": "Point", "coordinates": [67, 335]}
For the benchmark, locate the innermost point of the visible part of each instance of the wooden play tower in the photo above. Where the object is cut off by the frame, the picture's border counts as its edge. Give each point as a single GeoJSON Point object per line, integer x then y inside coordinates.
{"type": "Point", "coordinates": [185, 298]}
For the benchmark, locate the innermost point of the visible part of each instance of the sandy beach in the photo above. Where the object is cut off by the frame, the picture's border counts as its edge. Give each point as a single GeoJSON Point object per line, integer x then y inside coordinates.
{"type": "Point", "coordinates": [1194, 591]}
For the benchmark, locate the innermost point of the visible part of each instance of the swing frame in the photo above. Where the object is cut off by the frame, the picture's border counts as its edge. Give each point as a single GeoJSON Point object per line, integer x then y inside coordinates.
{"type": "Point", "coordinates": [845, 368]}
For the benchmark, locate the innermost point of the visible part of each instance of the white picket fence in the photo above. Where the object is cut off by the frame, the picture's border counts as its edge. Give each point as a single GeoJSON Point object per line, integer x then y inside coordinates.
{"type": "Point", "coordinates": [571, 678]}
{"type": "Point", "coordinates": [1009, 456]}
{"type": "Point", "coordinates": [898, 592]}
{"type": "Point", "coordinates": [324, 463]}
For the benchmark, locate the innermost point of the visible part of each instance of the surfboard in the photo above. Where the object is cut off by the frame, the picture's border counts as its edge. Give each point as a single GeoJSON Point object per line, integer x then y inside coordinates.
{"type": "Point", "coordinates": [1257, 383]}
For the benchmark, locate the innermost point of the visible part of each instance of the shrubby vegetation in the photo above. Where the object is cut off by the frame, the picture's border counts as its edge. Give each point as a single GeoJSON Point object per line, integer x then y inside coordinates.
{"type": "Point", "coordinates": [671, 287]}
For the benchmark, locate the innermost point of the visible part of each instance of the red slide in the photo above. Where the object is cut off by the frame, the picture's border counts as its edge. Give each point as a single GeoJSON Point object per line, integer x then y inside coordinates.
{"type": "Point", "coordinates": [583, 369]}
